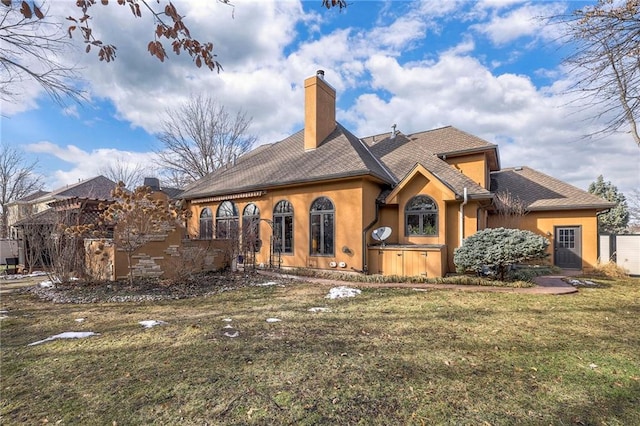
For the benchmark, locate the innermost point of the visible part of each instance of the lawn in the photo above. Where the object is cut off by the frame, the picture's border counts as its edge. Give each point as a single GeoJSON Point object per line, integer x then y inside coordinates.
{"type": "Point", "coordinates": [383, 357]}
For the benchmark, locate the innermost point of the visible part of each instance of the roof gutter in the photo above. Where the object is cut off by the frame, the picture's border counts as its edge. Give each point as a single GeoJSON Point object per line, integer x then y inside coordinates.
{"type": "Point", "coordinates": [365, 266]}
{"type": "Point", "coordinates": [464, 203]}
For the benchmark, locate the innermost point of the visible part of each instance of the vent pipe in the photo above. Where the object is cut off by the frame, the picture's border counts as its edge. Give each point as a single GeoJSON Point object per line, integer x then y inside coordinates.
{"type": "Point", "coordinates": [393, 131]}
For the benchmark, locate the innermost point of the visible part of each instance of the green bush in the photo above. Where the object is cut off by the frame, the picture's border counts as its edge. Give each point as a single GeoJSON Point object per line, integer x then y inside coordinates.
{"type": "Point", "coordinates": [497, 249]}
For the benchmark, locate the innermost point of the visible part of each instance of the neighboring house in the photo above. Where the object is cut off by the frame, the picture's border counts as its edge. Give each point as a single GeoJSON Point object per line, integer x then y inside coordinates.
{"type": "Point", "coordinates": [98, 187]}
{"type": "Point", "coordinates": [33, 217]}
{"type": "Point", "coordinates": [314, 198]}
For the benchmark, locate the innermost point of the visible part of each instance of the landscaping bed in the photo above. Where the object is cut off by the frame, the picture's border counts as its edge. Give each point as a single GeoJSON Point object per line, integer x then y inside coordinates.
{"type": "Point", "coordinates": [144, 289]}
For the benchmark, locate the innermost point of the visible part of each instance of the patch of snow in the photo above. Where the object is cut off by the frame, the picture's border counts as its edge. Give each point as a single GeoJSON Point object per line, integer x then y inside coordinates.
{"type": "Point", "coordinates": [273, 320]}
{"type": "Point", "coordinates": [592, 366]}
{"type": "Point", "coordinates": [66, 335]}
{"type": "Point", "coordinates": [151, 323]}
{"type": "Point", "coordinates": [268, 283]}
{"type": "Point", "coordinates": [318, 309]}
{"type": "Point", "coordinates": [228, 326]}
{"type": "Point", "coordinates": [227, 320]}
{"type": "Point", "coordinates": [577, 283]}
{"type": "Point", "coordinates": [37, 274]}
{"type": "Point", "coordinates": [232, 335]}
{"type": "Point", "coordinates": [342, 291]}
{"type": "Point", "coordinates": [46, 284]}
{"type": "Point", "coordinates": [79, 320]}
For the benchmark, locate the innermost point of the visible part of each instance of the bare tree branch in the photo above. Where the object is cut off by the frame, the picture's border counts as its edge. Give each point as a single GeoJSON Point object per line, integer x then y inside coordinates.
{"type": "Point", "coordinates": [606, 62]}
{"type": "Point", "coordinates": [202, 136]}
{"type": "Point", "coordinates": [131, 174]}
{"type": "Point", "coordinates": [17, 179]}
{"type": "Point", "coordinates": [29, 51]}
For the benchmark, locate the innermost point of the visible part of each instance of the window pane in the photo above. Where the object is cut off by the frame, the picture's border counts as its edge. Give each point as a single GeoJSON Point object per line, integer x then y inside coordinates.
{"type": "Point", "coordinates": [288, 234]}
{"type": "Point", "coordinates": [421, 203]}
{"type": "Point", "coordinates": [277, 233]}
{"type": "Point", "coordinates": [315, 234]}
{"type": "Point", "coordinates": [322, 204]}
{"type": "Point", "coordinates": [413, 224]}
{"type": "Point", "coordinates": [227, 209]}
{"type": "Point", "coordinates": [206, 224]}
{"type": "Point", "coordinates": [328, 234]}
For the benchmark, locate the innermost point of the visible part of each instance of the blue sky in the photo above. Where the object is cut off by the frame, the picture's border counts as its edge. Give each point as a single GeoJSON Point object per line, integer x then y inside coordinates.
{"type": "Point", "coordinates": [489, 67]}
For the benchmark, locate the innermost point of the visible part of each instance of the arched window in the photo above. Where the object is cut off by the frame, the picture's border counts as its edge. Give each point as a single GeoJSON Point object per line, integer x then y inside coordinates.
{"type": "Point", "coordinates": [227, 220]}
{"type": "Point", "coordinates": [283, 227]}
{"type": "Point", "coordinates": [251, 228]}
{"type": "Point", "coordinates": [322, 227]}
{"type": "Point", "coordinates": [206, 224]}
{"type": "Point", "coordinates": [421, 216]}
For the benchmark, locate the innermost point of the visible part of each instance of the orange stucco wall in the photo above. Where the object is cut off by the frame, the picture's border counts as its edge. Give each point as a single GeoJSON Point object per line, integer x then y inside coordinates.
{"type": "Point", "coordinates": [448, 223]}
{"type": "Point", "coordinates": [474, 166]}
{"type": "Point", "coordinates": [544, 223]}
{"type": "Point", "coordinates": [354, 203]}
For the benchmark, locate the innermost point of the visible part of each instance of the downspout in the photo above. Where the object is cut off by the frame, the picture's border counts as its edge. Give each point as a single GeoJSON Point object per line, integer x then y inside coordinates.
{"type": "Point", "coordinates": [365, 267]}
{"type": "Point", "coordinates": [464, 203]}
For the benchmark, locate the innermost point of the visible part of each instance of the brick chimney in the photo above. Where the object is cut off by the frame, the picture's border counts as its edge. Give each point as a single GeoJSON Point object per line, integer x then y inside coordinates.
{"type": "Point", "coordinates": [319, 110]}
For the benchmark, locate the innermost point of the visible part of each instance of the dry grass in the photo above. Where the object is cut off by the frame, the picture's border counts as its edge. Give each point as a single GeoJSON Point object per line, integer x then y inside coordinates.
{"type": "Point", "coordinates": [610, 270]}
{"type": "Point", "coordinates": [384, 357]}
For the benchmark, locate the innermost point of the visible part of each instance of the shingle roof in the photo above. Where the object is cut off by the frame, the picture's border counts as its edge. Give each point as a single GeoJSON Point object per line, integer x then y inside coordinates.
{"type": "Point", "coordinates": [340, 155]}
{"type": "Point", "coordinates": [401, 153]}
{"type": "Point", "coordinates": [172, 193]}
{"type": "Point", "coordinates": [98, 187]}
{"type": "Point", "coordinates": [32, 196]}
{"type": "Point", "coordinates": [542, 192]}
{"type": "Point", "coordinates": [441, 141]}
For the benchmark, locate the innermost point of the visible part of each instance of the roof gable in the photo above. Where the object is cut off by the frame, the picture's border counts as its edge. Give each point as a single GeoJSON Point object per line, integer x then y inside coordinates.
{"type": "Point", "coordinates": [542, 192]}
{"type": "Point", "coordinates": [419, 169]}
{"type": "Point", "coordinates": [401, 152]}
{"type": "Point", "coordinates": [98, 187]}
{"type": "Point", "coordinates": [433, 167]}
{"type": "Point", "coordinates": [286, 162]}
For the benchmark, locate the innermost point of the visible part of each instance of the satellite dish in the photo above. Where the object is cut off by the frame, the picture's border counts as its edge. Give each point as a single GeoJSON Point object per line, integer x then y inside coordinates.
{"type": "Point", "coordinates": [381, 234]}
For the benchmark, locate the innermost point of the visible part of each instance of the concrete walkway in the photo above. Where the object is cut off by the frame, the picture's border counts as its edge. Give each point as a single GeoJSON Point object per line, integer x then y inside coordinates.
{"type": "Point", "coordinates": [552, 284]}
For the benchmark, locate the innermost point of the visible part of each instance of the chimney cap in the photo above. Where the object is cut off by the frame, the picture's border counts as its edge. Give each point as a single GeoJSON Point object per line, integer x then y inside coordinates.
{"type": "Point", "coordinates": [320, 74]}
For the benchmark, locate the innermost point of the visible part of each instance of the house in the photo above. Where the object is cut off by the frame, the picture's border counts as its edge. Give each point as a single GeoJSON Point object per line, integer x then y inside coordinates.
{"type": "Point", "coordinates": [98, 187]}
{"type": "Point", "coordinates": [32, 218]}
{"type": "Point", "coordinates": [315, 198]}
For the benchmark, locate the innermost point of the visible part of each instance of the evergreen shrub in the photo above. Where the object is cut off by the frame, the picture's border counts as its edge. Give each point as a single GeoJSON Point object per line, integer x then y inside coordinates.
{"type": "Point", "coordinates": [496, 249]}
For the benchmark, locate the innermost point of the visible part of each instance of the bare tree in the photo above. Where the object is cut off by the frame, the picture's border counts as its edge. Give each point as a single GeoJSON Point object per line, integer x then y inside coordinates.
{"type": "Point", "coordinates": [17, 179]}
{"type": "Point", "coordinates": [131, 174]}
{"type": "Point", "coordinates": [606, 62]}
{"type": "Point", "coordinates": [31, 40]}
{"type": "Point", "coordinates": [29, 51]}
{"type": "Point", "coordinates": [201, 137]}
{"type": "Point", "coordinates": [137, 218]}
{"type": "Point", "coordinates": [510, 208]}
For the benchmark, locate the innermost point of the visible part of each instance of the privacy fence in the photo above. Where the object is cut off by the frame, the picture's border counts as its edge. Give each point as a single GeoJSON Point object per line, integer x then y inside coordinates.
{"type": "Point", "coordinates": [624, 250]}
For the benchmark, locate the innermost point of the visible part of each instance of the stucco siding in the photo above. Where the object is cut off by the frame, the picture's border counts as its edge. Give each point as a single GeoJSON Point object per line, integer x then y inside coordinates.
{"type": "Point", "coordinates": [545, 222]}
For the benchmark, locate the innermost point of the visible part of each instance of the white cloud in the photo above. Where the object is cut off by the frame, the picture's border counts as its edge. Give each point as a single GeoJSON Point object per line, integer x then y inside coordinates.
{"type": "Point", "coordinates": [265, 62]}
{"type": "Point", "coordinates": [71, 111]}
{"type": "Point", "coordinates": [519, 22]}
{"type": "Point", "coordinates": [534, 127]}
{"type": "Point", "coordinates": [86, 164]}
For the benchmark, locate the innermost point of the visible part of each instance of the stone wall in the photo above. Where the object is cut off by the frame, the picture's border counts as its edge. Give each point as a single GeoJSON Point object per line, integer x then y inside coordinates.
{"type": "Point", "coordinates": [167, 257]}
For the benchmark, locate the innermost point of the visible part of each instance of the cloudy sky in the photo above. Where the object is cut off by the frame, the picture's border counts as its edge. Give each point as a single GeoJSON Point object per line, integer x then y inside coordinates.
{"type": "Point", "coordinates": [488, 67]}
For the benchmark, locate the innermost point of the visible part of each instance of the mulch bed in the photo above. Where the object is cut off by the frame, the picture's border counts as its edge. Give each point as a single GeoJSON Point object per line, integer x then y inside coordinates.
{"type": "Point", "coordinates": [146, 289]}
